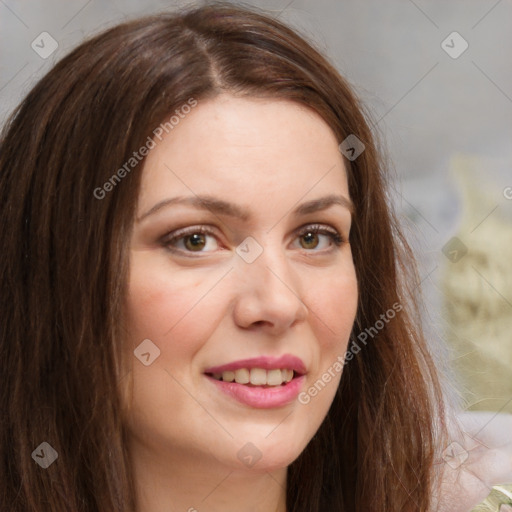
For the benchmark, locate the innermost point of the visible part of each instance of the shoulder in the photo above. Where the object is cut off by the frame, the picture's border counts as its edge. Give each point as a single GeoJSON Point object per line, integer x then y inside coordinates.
{"type": "Point", "coordinates": [477, 457]}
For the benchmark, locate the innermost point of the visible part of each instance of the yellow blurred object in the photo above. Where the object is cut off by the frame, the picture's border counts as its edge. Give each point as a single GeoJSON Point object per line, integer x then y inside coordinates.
{"type": "Point", "coordinates": [477, 290]}
{"type": "Point", "coordinates": [500, 495]}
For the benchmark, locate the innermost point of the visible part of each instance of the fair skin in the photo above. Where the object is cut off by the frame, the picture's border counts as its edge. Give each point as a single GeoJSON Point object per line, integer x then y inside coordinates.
{"type": "Point", "coordinates": [204, 305]}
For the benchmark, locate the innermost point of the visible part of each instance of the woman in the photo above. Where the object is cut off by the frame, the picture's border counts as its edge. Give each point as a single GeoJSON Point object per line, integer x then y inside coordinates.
{"type": "Point", "coordinates": [208, 303]}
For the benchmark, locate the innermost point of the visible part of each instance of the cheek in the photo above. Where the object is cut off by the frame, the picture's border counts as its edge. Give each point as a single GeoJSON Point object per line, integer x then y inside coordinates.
{"type": "Point", "coordinates": [333, 307]}
{"type": "Point", "coordinates": [172, 309]}
{"type": "Point", "coordinates": [175, 311]}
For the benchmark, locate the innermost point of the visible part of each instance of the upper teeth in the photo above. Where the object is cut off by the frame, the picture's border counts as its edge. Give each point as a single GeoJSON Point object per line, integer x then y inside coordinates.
{"type": "Point", "coordinates": [256, 376]}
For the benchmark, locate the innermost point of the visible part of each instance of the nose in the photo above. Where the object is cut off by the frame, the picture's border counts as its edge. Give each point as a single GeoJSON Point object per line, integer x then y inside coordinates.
{"type": "Point", "coordinates": [269, 293]}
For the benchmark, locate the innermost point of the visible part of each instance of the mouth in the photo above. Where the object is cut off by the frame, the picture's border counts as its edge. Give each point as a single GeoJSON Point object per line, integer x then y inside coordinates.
{"type": "Point", "coordinates": [280, 392]}
{"type": "Point", "coordinates": [257, 377]}
{"type": "Point", "coordinates": [262, 371]}
{"type": "Point", "coordinates": [262, 382]}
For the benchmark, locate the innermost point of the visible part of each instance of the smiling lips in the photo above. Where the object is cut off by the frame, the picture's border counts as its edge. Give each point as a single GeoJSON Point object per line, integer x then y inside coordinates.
{"type": "Point", "coordinates": [256, 376]}
{"type": "Point", "coordinates": [258, 368]}
{"type": "Point", "coordinates": [260, 382]}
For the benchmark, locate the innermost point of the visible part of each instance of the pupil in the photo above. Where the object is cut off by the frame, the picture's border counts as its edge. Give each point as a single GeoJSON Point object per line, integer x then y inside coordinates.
{"type": "Point", "coordinates": [196, 240]}
{"type": "Point", "coordinates": [310, 238]}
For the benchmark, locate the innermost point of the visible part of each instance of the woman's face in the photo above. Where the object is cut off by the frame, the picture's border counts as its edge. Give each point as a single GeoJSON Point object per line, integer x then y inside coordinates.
{"type": "Point", "coordinates": [253, 271]}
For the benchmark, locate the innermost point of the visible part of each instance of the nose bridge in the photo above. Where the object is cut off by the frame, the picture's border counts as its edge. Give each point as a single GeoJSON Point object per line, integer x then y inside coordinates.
{"type": "Point", "coordinates": [269, 289]}
{"type": "Point", "coordinates": [270, 270]}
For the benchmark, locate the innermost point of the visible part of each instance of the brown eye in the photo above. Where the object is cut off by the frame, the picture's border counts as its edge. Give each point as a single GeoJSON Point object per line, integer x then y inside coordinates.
{"type": "Point", "coordinates": [196, 241]}
{"type": "Point", "coordinates": [191, 240]}
{"type": "Point", "coordinates": [310, 240]}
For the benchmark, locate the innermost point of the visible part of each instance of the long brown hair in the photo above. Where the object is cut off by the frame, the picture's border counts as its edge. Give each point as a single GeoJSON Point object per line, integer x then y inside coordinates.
{"type": "Point", "coordinates": [65, 259]}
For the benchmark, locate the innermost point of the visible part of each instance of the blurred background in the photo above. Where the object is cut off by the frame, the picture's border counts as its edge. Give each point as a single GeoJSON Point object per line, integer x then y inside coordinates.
{"type": "Point", "coordinates": [436, 78]}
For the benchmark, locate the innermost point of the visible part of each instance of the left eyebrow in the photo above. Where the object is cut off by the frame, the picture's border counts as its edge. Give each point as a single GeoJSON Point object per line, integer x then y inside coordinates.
{"type": "Point", "coordinates": [323, 203]}
{"type": "Point", "coordinates": [221, 207]}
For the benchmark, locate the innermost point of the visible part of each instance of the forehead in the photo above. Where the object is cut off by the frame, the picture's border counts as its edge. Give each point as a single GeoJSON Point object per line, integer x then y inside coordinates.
{"type": "Point", "coordinates": [254, 151]}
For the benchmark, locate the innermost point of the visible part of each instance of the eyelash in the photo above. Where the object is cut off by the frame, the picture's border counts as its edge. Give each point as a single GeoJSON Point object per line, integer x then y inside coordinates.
{"type": "Point", "coordinates": [179, 234]}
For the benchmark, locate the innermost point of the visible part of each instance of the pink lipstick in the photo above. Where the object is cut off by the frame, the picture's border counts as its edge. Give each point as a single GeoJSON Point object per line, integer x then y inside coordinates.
{"type": "Point", "coordinates": [261, 382]}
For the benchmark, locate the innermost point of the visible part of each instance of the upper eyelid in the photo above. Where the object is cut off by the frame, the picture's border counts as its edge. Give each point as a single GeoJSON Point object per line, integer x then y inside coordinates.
{"type": "Point", "coordinates": [208, 229]}
{"type": "Point", "coordinates": [181, 233]}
